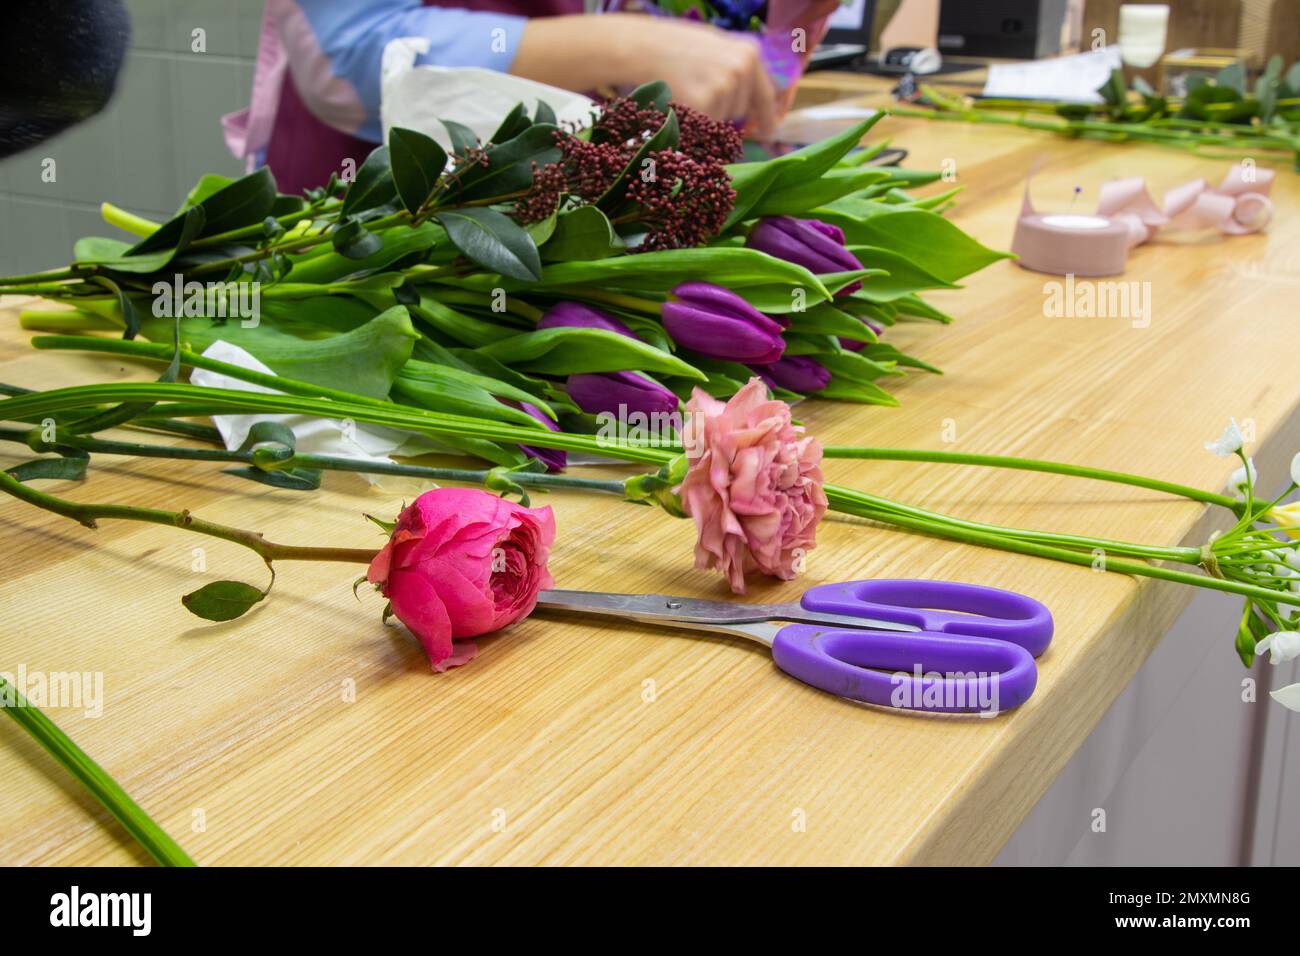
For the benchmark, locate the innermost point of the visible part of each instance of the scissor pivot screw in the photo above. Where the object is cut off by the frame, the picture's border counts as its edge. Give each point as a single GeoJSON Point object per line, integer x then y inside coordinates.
{"type": "Point", "coordinates": [674, 605]}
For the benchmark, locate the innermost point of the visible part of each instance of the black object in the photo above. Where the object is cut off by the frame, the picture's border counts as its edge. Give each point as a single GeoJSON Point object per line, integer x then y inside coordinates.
{"type": "Point", "coordinates": [849, 37]}
{"type": "Point", "coordinates": [1007, 29]}
{"type": "Point", "coordinates": [58, 65]}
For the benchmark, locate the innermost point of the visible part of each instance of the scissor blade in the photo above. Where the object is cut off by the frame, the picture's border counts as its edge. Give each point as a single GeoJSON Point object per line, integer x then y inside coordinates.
{"type": "Point", "coordinates": [666, 609]}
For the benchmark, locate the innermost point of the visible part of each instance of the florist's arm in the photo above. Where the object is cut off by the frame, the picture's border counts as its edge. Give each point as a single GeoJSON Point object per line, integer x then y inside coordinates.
{"type": "Point", "coordinates": [716, 72]}
{"type": "Point", "coordinates": [335, 48]}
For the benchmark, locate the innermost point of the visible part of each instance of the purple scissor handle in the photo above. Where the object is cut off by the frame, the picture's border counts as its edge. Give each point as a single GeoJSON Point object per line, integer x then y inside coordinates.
{"type": "Point", "coordinates": [922, 645]}
{"type": "Point", "coordinates": [973, 651]}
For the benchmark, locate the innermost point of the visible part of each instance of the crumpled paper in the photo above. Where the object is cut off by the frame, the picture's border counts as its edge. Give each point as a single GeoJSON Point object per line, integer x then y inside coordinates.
{"type": "Point", "coordinates": [419, 97]}
{"type": "Point", "coordinates": [314, 436]}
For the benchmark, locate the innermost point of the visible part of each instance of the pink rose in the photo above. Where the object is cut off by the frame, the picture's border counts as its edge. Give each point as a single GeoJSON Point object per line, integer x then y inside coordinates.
{"type": "Point", "coordinates": [753, 485]}
{"type": "Point", "coordinates": [462, 562]}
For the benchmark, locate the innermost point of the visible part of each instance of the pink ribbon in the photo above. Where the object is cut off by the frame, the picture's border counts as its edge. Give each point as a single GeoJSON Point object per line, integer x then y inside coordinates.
{"type": "Point", "coordinates": [1240, 205]}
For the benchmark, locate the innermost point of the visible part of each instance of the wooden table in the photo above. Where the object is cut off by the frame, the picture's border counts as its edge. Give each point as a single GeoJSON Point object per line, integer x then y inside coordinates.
{"type": "Point", "coordinates": [570, 742]}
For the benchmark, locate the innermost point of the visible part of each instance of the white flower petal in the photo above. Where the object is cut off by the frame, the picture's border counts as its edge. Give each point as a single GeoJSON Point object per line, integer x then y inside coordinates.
{"type": "Point", "coordinates": [1295, 468]}
{"type": "Point", "coordinates": [1237, 481]}
{"type": "Point", "coordinates": [1292, 557]}
{"type": "Point", "coordinates": [1229, 443]}
{"type": "Point", "coordinates": [1282, 646]}
{"type": "Point", "coordinates": [1288, 697]}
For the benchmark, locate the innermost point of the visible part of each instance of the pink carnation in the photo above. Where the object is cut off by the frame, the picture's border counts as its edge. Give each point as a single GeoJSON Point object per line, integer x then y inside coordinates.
{"type": "Point", "coordinates": [753, 485]}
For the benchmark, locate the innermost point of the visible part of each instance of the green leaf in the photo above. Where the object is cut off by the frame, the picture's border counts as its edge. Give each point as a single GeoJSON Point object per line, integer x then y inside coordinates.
{"type": "Point", "coordinates": [584, 233]}
{"type": "Point", "coordinates": [292, 479]}
{"type": "Point", "coordinates": [444, 389]}
{"type": "Point", "coordinates": [903, 274]}
{"type": "Point", "coordinates": [374, 185]}
{"type": "Point", "coordinates": [509, 167]}
{"type": "Point", "coordinates": [1233, 76]}
{"type": "Point", "coordinates": [417, 163]}
{"type": "Point", "coordinates": [456, 325]}
{"type": "Point", "coordinates": [656, 93]}
{"type": "Point", "coordinates": [734, 268]}
{"type": "Point", "coordinates": [919, 235]}
{"type": "Point", "coordinates": [244, 202]}
{"type": "Point", "coordinates": [544, 113]}
{"type": "Point", "coordinates": [354, 241]}
{"type": "Point", "coordinates": [222, 600]}
{"type": "Point", "coordinates": [826, 319]}
{"type": "Point", "coordinates": [493, 240]}
{"type": "Point", "coordinates": [808, 194]}
{"type": "Point", "coordinates": [59, 469]}
{"type": "Point", "coordinates": [130, 314]}
{"type": "Point", "coordinates": [98, 249]}
{"type": "Point", "coordinates": [1113, 91]}
{"type": "Point", "coordinates": [568, 351]}
{"type": "Point", "coordinates": [851, 390]}
{"type": "Point", "coordinates": [364, 359]}
{"type": "Point", "coordinates": [516, 122]}
{"type": "Point", "coordinates": [277, 435]}
{"type": "Point", "coordinates": [462, 137]}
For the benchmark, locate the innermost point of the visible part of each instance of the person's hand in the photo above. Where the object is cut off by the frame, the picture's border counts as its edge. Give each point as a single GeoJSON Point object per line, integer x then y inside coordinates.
{"type": "Point", "coordinates": [719, 73]}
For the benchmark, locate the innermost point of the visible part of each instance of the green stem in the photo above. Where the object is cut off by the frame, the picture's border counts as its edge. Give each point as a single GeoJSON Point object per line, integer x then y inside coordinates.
{"type": "Point", "coordinates": [95, 779]}
{"type": "Point", "coordinates": [216, 401]}
{"type": "Point", "coordinates": [319, 462]}
{"type": "Point", "coordinates": [87, 514]}
{"type": "Point", "coordinates": [1031, 464]}
{"type": "Point", "coordinates": [843, 501]}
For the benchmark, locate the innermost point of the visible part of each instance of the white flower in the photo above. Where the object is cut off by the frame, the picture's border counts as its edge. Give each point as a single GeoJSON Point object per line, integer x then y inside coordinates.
{"type": "Point", "coordinates": [1292, 557]}
{"type": "Point", "coordinates": [1288, 697]}
{"type": "Point", "coordinates": [1295, 468]}
{"type": "Point", "coordinates": [1237, 480]}
{"type": "Point", "coordinates": [1282, 646]}
{"type": "Point", "coordinates": [1229, 443]}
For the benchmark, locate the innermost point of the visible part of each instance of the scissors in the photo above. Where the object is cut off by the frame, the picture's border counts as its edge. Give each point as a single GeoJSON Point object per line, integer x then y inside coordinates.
{"type": "Point", "coordinates": [921, 645]}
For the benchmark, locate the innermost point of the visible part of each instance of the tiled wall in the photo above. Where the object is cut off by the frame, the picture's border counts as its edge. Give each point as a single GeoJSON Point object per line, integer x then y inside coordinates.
{"type": "Point", "coordinates": [159, 134]}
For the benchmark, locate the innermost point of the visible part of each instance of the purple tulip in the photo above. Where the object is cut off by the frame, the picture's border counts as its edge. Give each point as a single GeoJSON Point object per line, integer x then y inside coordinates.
{"type": "Point", "coordinates": [621, 393]}
{"type": "Point", "coordinates": [716, 322]}
{"type": "Point", "coordinates": [798, 373]}
{"type": "Point", "coordinates": [857, 345]}
{"type": "Point", "coordinates": [817, 246]}
{"type": "Point", "coordinates": [579, 315]}
{"type": "Point", "coordinates": [553, 458]}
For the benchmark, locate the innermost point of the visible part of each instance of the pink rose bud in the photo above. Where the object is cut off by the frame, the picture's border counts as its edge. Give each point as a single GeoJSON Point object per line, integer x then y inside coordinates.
{"type": "Point", "coordinates": [753, 485]}
{"type": "Point", "coordinates": [462, 562]}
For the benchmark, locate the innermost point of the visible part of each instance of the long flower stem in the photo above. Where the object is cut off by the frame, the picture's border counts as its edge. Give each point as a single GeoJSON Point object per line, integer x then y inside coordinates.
{"type": "Point", "coordinates": [319, 462]}
{"type": "Point", "coordinates": [1031, 464]}
{"type": "Point", "coordinates": [88, 514]}
{"type": "Point", "coordinates": [844, 501]}
{"type": "Point", "coordinates": [97, 780]}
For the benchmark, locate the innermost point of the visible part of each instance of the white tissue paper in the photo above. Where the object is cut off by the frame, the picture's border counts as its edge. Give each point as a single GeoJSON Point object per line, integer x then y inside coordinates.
{"type": "Point", "coordinates": [314, 436]}
{"type": "Point", "coordinates": [418, 97]}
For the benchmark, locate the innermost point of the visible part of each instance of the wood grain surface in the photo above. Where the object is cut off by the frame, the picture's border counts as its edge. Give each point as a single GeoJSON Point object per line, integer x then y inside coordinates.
{"type": "Point", "coordinates": [568, 741]}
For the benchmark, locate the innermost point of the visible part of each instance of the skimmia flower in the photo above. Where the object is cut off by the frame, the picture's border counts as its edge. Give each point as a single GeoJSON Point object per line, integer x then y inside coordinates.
{"type": "Point", "coordinates": [461, 562]}
{"type": "Point", "coordinates": [753, 485]}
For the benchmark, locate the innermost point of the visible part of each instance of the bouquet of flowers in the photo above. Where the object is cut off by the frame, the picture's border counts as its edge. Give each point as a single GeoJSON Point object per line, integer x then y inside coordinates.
{"type": "Point", "coordinates": [611, 284]}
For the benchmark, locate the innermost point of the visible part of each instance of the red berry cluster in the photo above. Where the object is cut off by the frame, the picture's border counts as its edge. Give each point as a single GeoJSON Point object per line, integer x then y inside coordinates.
{"type": "Point", "coordinates": [683, 196]}
{"type": "Point", "coordinates": [683, 201]}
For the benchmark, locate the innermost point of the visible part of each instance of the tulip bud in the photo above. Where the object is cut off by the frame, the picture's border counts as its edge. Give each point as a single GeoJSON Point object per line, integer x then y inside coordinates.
{"type": "Point", "coordinates": [798, 373]}
{"type": "Point", "coordinates": [716, 322]}
{"type": "Point", "coordinates": [817, 246]}
{"type": "Point", "coordinates": [554, 459]}
{"type": "Point", "coordinates": [621, 393]}
{"type": "Point", "coordinates": [582, 316]}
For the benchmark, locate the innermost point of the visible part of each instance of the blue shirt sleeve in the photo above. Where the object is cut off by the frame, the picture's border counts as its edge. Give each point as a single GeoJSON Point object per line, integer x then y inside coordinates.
{"type": "Point", "coordinates": [353, 34]}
